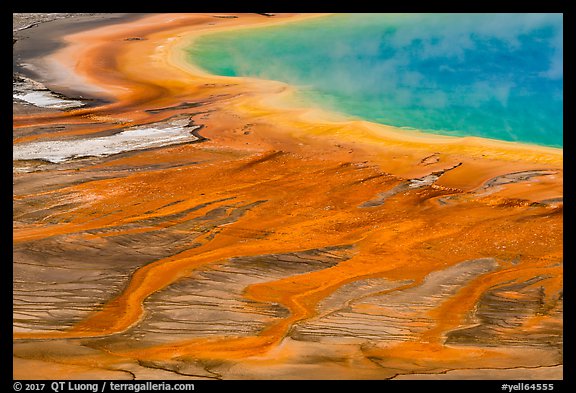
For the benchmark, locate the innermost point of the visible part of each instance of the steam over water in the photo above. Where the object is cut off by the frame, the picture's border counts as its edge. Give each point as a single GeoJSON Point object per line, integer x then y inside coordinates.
{"type": "Point", "coordinates": [497, 76]}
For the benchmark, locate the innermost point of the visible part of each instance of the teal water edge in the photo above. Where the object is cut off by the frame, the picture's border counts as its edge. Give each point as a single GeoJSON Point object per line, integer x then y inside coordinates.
{"type": "Point", "coordinates": [497, 76]}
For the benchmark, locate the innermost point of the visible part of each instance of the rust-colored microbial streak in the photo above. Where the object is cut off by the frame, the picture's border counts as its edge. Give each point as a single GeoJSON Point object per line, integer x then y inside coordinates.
{"type": "Point", "coordinates": [280, 245]}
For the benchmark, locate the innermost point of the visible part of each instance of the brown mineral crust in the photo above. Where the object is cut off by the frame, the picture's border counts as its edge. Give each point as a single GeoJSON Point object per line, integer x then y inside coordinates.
{"type": "Point", "coordinates": [282, 235]}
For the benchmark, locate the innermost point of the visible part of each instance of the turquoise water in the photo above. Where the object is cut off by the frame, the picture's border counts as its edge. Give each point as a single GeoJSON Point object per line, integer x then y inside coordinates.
{"type": "Point", "coordinates": [497, 76]}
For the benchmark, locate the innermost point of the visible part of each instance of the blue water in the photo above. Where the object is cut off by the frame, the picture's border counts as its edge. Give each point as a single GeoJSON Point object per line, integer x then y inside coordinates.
{"type": "Point", "coordinates": [497, 76]}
